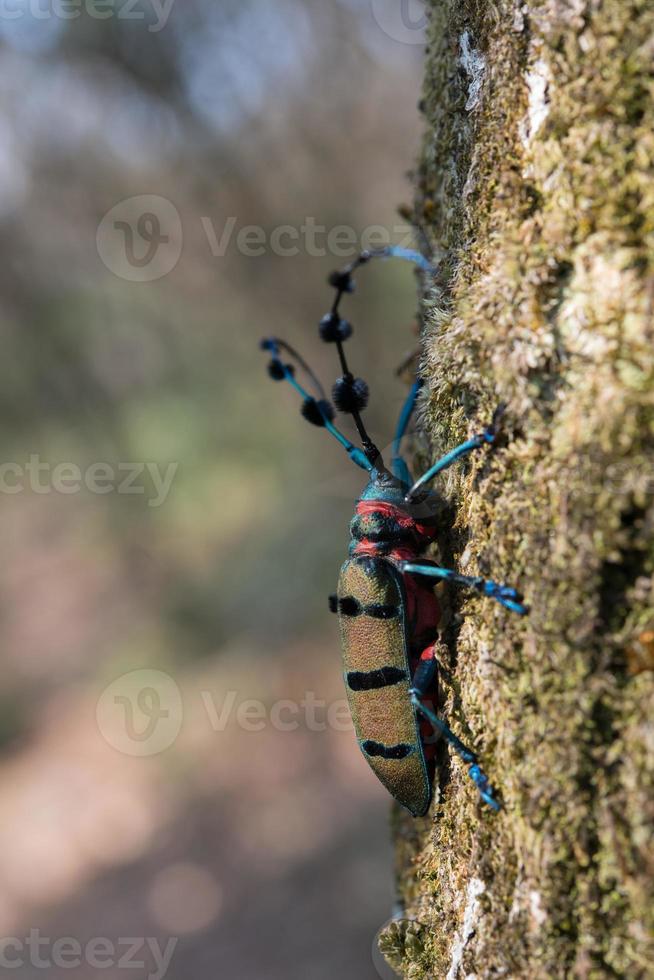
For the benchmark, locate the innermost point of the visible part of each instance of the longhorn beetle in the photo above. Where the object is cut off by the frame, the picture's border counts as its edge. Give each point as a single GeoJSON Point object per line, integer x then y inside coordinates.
{"type": "Point", "coordinates": [388, 612]}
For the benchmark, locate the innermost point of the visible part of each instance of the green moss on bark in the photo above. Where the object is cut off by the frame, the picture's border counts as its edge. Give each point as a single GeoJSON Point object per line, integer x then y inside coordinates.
{"type": "Point", "coordinates": [536, 191]}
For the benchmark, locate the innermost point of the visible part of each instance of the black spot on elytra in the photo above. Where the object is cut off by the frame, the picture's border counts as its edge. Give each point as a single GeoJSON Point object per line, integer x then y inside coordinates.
{"type": "Point", "coordinates": [381, 612]}
{"type": "Point", "coordinates": [376, 749]}
{"type": "Point", "coordinates": [374, 679]}
{"type": "Point", "coordinates": [349, 606]}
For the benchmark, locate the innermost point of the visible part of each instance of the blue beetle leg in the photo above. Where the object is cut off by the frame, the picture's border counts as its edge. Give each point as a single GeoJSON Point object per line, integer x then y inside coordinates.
{"type": "Point", "coordinates": [399, 466]}
{"type": "Point", "coordinates": [506, 596]}
{"type": "Point", "coordinates": [485, 438]}
{"type": "Point", "coordinates": [475, 771]}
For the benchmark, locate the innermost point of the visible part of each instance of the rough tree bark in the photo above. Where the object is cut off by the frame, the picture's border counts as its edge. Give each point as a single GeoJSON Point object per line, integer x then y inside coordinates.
{"type": "Point", "coordinates": [535, 190]}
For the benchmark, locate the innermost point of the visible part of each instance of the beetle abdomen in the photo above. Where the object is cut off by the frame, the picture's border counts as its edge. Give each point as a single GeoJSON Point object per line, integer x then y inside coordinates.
{"type": "Point", "coordinates": [371, 607]}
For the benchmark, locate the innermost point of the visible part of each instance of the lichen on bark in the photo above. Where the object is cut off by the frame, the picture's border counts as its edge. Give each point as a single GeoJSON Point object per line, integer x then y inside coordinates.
{"type": "Point", "coordinates": [535, 192]}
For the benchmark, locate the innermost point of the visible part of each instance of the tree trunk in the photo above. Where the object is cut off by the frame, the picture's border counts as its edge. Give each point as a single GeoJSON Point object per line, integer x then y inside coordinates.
{"type": "Point", "coordinates": [535, 193]}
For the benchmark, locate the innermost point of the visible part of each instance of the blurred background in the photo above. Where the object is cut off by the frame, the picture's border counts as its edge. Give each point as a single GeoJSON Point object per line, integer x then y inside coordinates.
{"type": "Point", "coordinates": [176, 764]}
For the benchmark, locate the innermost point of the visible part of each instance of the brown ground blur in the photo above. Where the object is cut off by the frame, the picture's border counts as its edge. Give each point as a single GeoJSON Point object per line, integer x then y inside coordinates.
{"type": "Point", "coordinates": [264, 852]}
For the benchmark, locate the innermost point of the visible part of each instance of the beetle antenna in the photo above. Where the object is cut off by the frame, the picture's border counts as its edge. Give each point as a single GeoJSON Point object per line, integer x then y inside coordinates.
{"type": "Point", "coordinates": [317, 411]}
{"type": "Point", "coordinates": [299, 360]}
{"type": "Point", "coordinates": [350, 394]}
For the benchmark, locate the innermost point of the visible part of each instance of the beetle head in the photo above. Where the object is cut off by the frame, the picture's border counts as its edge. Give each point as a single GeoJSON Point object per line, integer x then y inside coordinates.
{"type": "Point", "coordinates": [383, 486]}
